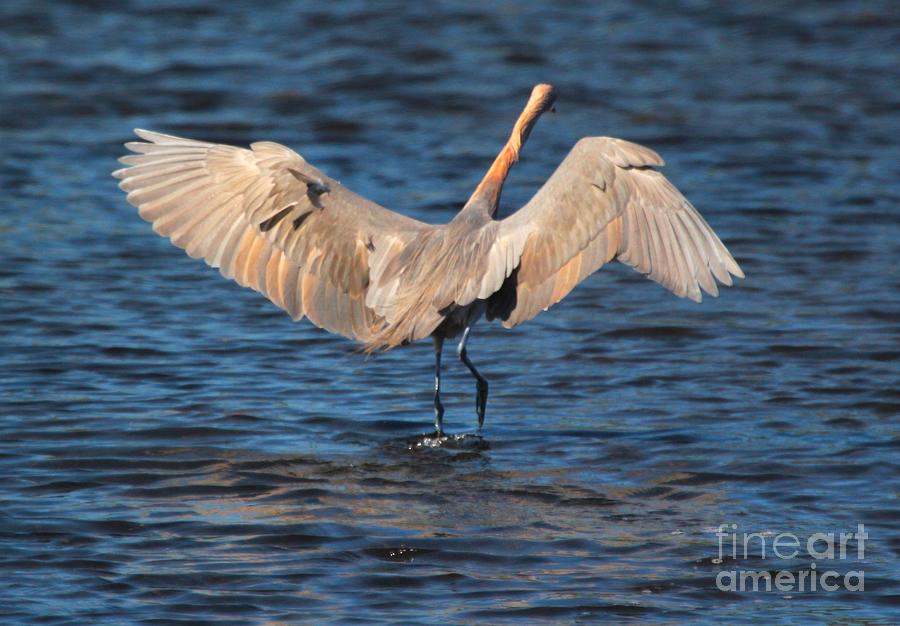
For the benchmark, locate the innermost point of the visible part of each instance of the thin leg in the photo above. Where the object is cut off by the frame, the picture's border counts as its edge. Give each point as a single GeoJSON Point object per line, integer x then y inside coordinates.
{"type": "Point", "coordinates": [438, 407]}
{"type": "Point", "coordinates": [481, 383]}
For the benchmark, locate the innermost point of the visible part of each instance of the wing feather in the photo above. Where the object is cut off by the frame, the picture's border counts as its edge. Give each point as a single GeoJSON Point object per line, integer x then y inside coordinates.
{"type": "Point", "coordinates": [605, 201]}
{"type": "Point", "coordinates": [270, 221]}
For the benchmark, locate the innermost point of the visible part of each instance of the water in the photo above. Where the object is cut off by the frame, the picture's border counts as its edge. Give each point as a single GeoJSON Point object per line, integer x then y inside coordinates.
{"type": "Point", "coordinates": [173, 448]}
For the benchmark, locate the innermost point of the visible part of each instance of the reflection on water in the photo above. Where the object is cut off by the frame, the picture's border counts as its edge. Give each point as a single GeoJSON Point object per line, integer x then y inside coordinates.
{"type": "Point", "coordinates": [174, 448]}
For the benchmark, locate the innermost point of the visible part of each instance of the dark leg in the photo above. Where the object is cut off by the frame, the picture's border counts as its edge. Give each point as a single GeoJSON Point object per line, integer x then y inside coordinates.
{"type": "Point", "coordinates": [438, 407]}
{"type": "Point", "coordinates": [481, 383]}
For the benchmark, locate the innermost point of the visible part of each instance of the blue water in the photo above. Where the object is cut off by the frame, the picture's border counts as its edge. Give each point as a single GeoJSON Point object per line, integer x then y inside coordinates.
{"type": "Point", "coordinates": [174, 449]}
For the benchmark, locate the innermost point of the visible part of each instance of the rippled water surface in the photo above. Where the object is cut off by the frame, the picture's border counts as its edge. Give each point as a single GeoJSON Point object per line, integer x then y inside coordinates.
{"type": "Point", "coordinates": [173, 448]}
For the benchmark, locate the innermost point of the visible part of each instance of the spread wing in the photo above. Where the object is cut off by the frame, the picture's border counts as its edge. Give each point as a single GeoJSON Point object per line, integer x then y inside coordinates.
{"type": "Point", "coordinates": [270, 221]}
{"type": "Point", "coordinates": [605, 201]}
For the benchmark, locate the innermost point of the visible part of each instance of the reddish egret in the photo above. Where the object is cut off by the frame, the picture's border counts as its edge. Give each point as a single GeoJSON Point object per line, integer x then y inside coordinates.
{"type": "Point", "coordinates": [271, 221]}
